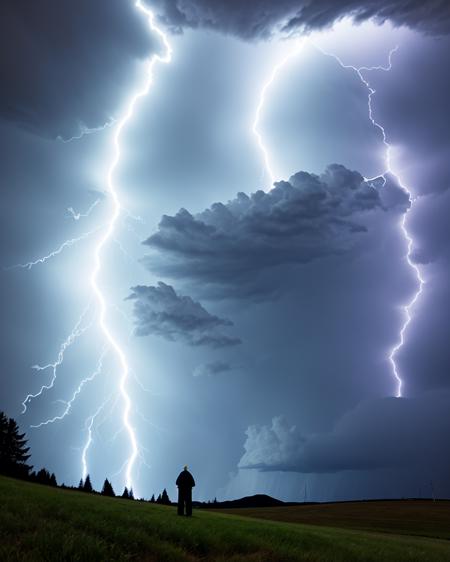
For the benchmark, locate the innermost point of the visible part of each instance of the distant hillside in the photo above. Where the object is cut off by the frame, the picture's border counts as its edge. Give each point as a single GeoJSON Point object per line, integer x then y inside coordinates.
{"type": "Point", "coordinates": [258, 500]}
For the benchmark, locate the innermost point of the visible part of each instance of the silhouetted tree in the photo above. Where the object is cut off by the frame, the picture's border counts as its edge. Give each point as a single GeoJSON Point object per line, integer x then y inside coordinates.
{"type": "Point", "coordinates": [44, 477]}
{"type": "Point", "coordinates": [165, 498]}
{"type": "Point", "coordinates": [152, 499]}
{"type": "Point", "coordinates": [107, 489]}
{"type": "Point", "coordinates": [125, 494]}
{"type": "Point", "coordinates": [13, 449]}
{"type": "Point", "coordinates": [80, 485]}
{"type": "Point", "coordinates": [130, 494]}
{"type": "Point", "coordinates": [3, 440]}
{"type": "Point", "coordinates": [87, 486]}
{"type": "Point", "coordinates": [158, 499]}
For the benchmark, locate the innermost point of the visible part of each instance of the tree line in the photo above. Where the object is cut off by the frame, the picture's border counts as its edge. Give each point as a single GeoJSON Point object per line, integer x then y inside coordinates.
{"type": "Point", "coordinates": [15, 454]}
{"type": "Point", "coordinates": [107, 490]}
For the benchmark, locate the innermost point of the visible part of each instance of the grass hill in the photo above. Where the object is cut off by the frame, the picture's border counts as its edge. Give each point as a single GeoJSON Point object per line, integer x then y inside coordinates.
{"type": "Point", "coordinates": [43, 523]}
{"type": "Point", "coordinates": [258, 500]}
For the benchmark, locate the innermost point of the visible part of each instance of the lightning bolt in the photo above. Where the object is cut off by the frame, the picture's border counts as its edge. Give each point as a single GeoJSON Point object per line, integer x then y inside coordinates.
{"type": "Point", "coordinates": [85, 130]}
{"type": "Point", "coordinates": [406, 308]}
{"type": "Point", "coordinates": [108, 235]}
{"type": "Point", "coordinates": [409, 241]}
{"type": "Point", "coordinates": [76, 332]}
{"type": "Point", "coordinates": [53, 253]}
{"type": "Point", "coordinates": [389, 170]}
{"type": "Point", "coordinates": [262, 99]}
{"type": "Point", "coordinates": [89, 425]}
{"type": "Point", "coordinates": [75, 395]}
{"type": "Point", "coordinates": [77, 216]}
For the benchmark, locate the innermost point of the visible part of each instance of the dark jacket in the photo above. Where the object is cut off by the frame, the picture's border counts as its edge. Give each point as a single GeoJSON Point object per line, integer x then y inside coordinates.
{"type": "Point", "coordinates": [185, 480]}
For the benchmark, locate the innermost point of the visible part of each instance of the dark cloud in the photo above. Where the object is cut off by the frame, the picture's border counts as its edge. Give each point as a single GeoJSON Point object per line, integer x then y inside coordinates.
{"type": "Point", "coordinates": [64, 66]}
{"type": "Point", "coordinates": [161, 311]}
{"type": "Point", "coordinates": [262, 18]}
{"type": "Point", "coordinates": [382, 433]}
{"type": "Point", "coordinates": [211, 369]}
{"type": "Point", "coordinates": [231, 245]}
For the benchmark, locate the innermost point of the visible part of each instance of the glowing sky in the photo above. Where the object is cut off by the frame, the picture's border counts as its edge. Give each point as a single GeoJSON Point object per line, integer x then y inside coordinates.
{"type": "Point", "coordinates": [256, 326]}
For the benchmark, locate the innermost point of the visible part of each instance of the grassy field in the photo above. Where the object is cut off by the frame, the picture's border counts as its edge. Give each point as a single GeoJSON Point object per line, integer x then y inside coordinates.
{"type": "Point", "coordinates": [42, 523]}
{"type": "Point", "coordinates": [412, 517]}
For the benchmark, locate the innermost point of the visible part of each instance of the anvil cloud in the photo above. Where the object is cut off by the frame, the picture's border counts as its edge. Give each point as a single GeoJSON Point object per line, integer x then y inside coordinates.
{"type": "Point", "coordinates": [308, 217]}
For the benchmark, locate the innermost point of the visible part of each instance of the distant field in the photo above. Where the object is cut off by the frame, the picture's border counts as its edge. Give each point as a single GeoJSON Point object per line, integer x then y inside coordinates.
{"type": "Point", "coordinates": [411, 517]}
{"type": "Point", "coordinates": [42, 523]}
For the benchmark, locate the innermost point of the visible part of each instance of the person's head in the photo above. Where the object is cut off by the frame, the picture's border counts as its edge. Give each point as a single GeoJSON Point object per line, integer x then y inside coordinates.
{"type": "Point", "coordinates": [185, 467]}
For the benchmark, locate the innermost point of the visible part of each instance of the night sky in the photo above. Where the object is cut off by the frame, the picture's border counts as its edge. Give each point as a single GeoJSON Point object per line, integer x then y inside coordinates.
{"type": "Point", "coordinates": [262, 323]}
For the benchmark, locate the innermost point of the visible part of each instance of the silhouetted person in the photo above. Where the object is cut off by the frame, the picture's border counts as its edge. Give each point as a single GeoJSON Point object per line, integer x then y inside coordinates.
{"type": "Point", "coordinates": [185, 483]}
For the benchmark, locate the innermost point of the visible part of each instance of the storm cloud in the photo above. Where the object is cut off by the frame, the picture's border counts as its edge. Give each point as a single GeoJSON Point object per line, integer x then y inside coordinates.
{"type": "Point", "coordinates": [65, 66]}
{"type": "Point", "coordinates": [260, 19]}
{"type": "Point", "coordinates": [308, 217]}
{"type": "Point", "coordinates": [161, 311]}
{"type": "Point", "coordinates": [381, 433]}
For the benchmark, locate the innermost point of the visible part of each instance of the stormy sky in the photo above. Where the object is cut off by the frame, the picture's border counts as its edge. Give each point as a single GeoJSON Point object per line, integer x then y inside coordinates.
{"type": "Point", "coordinates": [257, 320]}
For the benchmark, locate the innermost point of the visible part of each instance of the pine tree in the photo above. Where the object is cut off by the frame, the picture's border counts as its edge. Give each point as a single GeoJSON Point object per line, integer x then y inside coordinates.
{"type": "Point", "coordinates": [18, 444]}
{"type": "Point", "coordinates": [165, 498]}
{"type": "Point", "coordinates": [43, 476]}
{"type": "Point", "coordinates": [152, 499]}
{"type": "Point", "coordinates": [80, 485]}
{"type": "Point", "coordinates": [158, 499]}
{"type": "Point", "coordinates": [53, 481]}
{"type": "Point", "coordinates": [130, 494]}
{"type": "Point", "coordinates": [3, 441]}
{"type": "Point", "coordinates": [87, 486]}
{"type": "Point", "coordinates": [107, 489]}
{"type": "Point", "coordinates": [125, 494]}
{"type": "Point", "coordinates": [13, 449]}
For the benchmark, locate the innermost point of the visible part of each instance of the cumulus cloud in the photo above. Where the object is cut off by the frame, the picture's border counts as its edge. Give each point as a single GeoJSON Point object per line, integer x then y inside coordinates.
{"type": "Point", "coordinates": [211, 369]}
{"type": "Point", "coordinates": [161, 311]}
{"type": "Point", "coordinates": [64, 66]}
{"type": "Point", "coordinates": [382, 433]}
{"type": "Point", "coordinates": [260, 19]}
{"type": "Point", "coordinates": [300, 220]}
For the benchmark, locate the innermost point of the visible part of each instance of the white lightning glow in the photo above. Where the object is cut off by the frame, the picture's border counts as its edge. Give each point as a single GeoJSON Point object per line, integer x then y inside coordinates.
{"type": "Point", "coordinates": [77, 216]}
{"type": "Point", "coordinates": [389, 170]}
{"type": "Point", "coordinates": [108, 235]}
{"type": "Point", "coordinates": [66, 244]}
{"type": "Point", "coordinates": [262, 99]}
{"type": "Point", "coordinates": [76, 332]}
{"type": "Point", "coordinates": [69, 403]}
{"type": "Point", "coordinates": [85, 130]}
{"type": "Point", "coordinates": [89, 425]}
